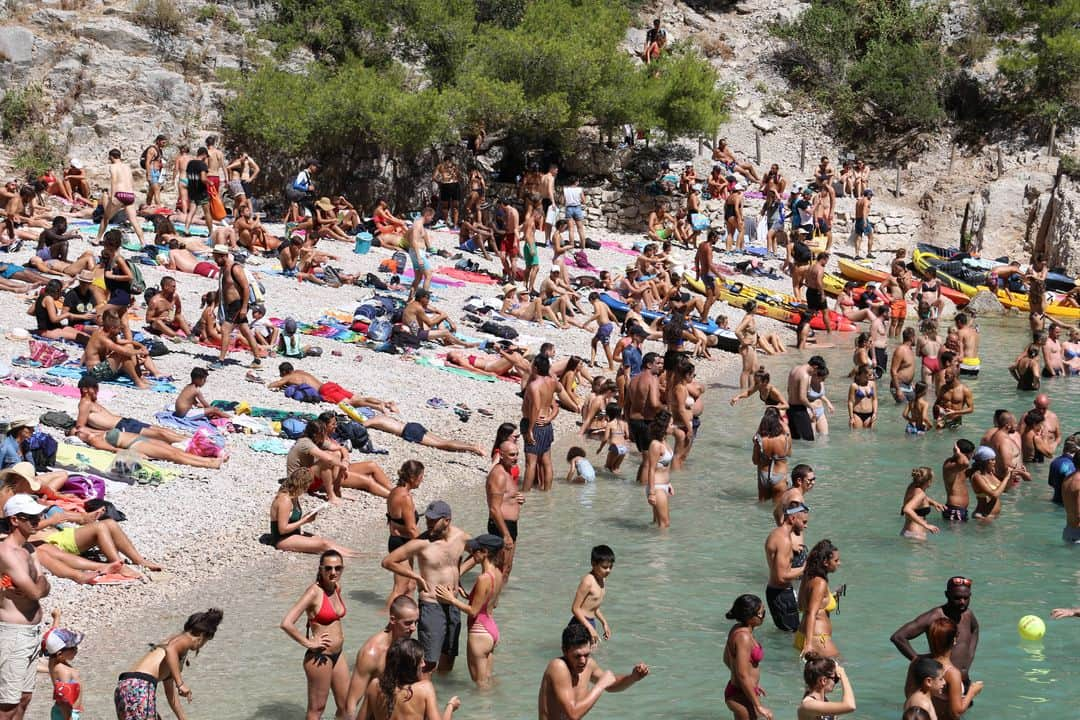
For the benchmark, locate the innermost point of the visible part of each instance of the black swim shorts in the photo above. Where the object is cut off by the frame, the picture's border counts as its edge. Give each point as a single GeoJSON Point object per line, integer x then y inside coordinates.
{"type": "Point", "coordinates": [639, 433]}
{"type": "Point", "coordinates": [544, 435]}
{"type": "Point", "coordinates": [438, 630]}
{"type": "Point", "coordinates": [784, 607]}
{"type": "Point", "coordinates": [881, 361]}
{"type": "Point", "coordinates": [232, 313]}
{"type": "Point", "coordinates": [799, 421]}
{"type": "Point", "coordinates": [413, 432]}
{"type": "Point", "coordinates": [511, 525]}
{"type": "Point", "coordinates": [815, 299]}
{"type": "Point", "coordinates": [395, 542]}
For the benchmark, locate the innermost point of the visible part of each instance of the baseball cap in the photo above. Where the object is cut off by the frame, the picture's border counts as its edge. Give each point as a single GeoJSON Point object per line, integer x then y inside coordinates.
{"type": "Point", "coordinates": [221, 249]}
{"type": "Point", "coordinates": [438, 509]}
{"type": "Point", "coordinates": [23, 504]}
{"type": "Point", "coordinates": [61, 639]}
{"type": "Point", "coordinates": [76, 163]}
{"type": "Point", "coordinates": [23, 470]}
{"type": "Point", "coordinates": [983, 453]}
{"type": "Point", "coordinates": [796, 509]}
{"type": "Point", "coordinates": [487, 541]}
{"type": "Point", "coordinates": [554, 270]}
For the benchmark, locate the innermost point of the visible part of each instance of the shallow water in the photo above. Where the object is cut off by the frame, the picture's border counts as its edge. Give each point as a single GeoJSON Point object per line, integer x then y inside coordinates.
{"type": "Point", "coordinates": [669, 591]}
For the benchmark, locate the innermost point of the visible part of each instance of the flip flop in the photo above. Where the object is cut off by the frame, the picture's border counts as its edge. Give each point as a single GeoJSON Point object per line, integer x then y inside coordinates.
{"type": "Point", "coordinates": [437, 403]}
{"type": "Point", "coordinates": [462, 414]}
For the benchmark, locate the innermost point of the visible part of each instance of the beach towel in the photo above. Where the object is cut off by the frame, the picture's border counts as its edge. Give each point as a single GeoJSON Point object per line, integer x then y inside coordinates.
{"type": "Point", "coordinates": [74, 372]}
{"type": "Point", "coordinates": [274, 446]}
{"type": "Point", "coordinates": [613, 245]}
{"type": "Point", "coordinates": [467, 276]}
{"type": "Point", "coordinates": [82, 458]}
{"type": "Point", "coordinates": [440, 365]}
{"type": "Point", "coordinates": [66, 391]}
{"type": "Point", "coordinates": [436, 281]}
{"type": "Point", "coordinates": [260, 412]}
{"type": "Point", "coordinates": [167, 419]}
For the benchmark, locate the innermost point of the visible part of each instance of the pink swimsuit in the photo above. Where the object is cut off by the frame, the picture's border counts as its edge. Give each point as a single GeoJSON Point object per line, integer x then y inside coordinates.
{"type": "Point", "coordinates": [486, 621]}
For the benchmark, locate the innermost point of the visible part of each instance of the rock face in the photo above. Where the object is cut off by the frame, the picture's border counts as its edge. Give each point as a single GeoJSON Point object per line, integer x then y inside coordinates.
{"type": "Point", "coordinates": [985, 304]}
{"type": "Point", "coordinates": [1058, 234]}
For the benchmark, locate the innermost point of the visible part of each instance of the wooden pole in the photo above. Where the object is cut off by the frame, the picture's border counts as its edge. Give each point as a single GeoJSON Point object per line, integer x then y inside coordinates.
{"type": "Point", "coordinates": [757, 146]}
{"type": "Point", "coordinates": [1053, 139]}
{"type": "Point", "coordinates": [1000, 163]}
{"type": "Point", "coordinates": [802, 155]}
{"type": "Point", "coordinates": [699, 145]}
{"type": "Point", "coordinates": [897, 192]}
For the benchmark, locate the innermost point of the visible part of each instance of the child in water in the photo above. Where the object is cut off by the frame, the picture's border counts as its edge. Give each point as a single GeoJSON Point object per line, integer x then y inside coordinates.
{"type": "Point", "coordinates": [61, 645]}
{"type": "Point", "coordinates": [917, 412]}
{"type": "Point", "coordinates": [580, 470]}
{"type": "Point", "coordinates": [590, 594]}
{"type": "Point", "coordinates": [615, 437]}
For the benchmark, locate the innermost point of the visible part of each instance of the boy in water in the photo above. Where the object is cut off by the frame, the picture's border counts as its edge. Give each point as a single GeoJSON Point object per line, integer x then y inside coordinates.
{"type": "Point", "coordinates": [615, 437]}
{"type": "Point", "coordinates": [929, 678]}
{"type": "Point", "coordinates": [917, 412]}
{"type": "Point", "coordinates": [581, 470]}
{"type": "Point", "coordinates": [585, 609]}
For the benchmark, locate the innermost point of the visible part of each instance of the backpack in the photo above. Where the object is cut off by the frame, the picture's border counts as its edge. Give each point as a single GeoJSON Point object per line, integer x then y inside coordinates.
{"type": "Point", "coordinates": [143, 158]}
{"type": "Point", "coordinates": [503, 331]}
{"type": "Point", "coordinates": [138, 284]}
{"type": "Point", "coordinates": [293, 428]}
{"type": "Point", "coordinates": [380, 330]}
{"type": "Point", "coordinates": [42, 449]}
{"type": "Point", "coordinates": [355, 434]}
{"type": "Point", "coordinates": [57, 419]}
{"type": "Point", "coordinates": [303, 393]}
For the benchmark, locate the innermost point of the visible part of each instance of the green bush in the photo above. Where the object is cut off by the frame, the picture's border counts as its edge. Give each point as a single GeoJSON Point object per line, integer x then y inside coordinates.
{"type": "Point", "coordinates": [21, 108]}
{"type": "Point", "coordinates": [904, 80]}
{"type": "Point", "coordinates": [160, 16]}
{"type": "Point", "coordinates": [36, 154]}
{"type": "Point", "coordinates": [1043, 72]}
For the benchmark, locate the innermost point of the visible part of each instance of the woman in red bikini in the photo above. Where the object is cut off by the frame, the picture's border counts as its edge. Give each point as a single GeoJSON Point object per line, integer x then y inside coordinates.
{"type": "Point", "coordinates": [483, 550]}
{"type": "Point", "coordinates": [324, 666]}
{"type": "Point", "coordinates": [743, 654]}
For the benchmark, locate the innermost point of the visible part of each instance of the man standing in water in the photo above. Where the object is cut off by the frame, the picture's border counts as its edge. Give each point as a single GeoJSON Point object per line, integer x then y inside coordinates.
{"type": "Point", "coordinates": [437, 553]}
{"type": "Point", "coordinates": [797, 385]}
{"type": "Point", "coordinates": [803, 478]}
{"type": "Point", "coordinates": [20, 607]}
{"type": "Point", "coordinates": [815, 290]}
{"type": "Point", "coordinates": [785, 552]}
{"type": "Point", "coordinates": [1070, 494]}
{"type": "Point", "coordinates": [371, 659]}
{"type": "Point", "coordinates": [234, 293]}
{"type": "Point", "coordinates": [953, 402]}
{"type": "Point", "coordinates": [538, 410]}
{"type": "Point", "coordinates": [504, 501]}
{"type": "Point", "coordinates": [954, 475]}
{"type": "Point", "coordinates": [957, 608]}
{"type": "Point", "coordinates": [879, 339]}
{"type": "Point", "coordinates": [643, 401]}
{"type": "Point", "coordinates": [902, 372]}
{"type": "Point", "coordinates": [564, 689]}
{"type": "Point", "coordinates": [969, 346]}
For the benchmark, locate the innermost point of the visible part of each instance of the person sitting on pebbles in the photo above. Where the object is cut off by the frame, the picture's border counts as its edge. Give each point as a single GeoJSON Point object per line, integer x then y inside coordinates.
{"type": "Point", "coordinates": [423, 322]}
{"type": "Point", "coordinates": [329, 392]}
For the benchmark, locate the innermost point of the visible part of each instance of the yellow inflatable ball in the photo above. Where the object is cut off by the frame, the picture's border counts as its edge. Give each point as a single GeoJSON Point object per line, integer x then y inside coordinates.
{"type": "Point", "coordinates": [1031, 627]}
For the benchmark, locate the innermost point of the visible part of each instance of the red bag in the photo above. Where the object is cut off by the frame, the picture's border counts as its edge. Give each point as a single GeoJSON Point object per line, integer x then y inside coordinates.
{"type": "Point", "coordinates": [46, 354]}
{"type": "Point", "coordinates": [217, 208]}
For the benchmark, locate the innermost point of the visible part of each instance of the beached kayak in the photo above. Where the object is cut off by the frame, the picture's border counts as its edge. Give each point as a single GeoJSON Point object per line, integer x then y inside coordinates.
{"type": "Point", "coordinates": [861, 272]}
{"type": "Point", "coordinates": [769, 304]}
{"type": "Point", "coordinates": [725, 339]}
{"type": "Point", "coordinates": [1055, 280]}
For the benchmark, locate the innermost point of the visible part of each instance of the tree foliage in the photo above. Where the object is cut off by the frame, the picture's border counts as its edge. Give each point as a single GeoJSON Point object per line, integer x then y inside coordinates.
{"type": "Point", "coordinates": [1043, 71]}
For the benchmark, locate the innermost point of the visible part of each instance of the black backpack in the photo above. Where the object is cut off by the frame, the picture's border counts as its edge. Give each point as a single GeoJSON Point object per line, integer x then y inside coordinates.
{"type": "Point", "coordinates": [503, 331]}
{"type": "Point", "coordinates": [142, 158]}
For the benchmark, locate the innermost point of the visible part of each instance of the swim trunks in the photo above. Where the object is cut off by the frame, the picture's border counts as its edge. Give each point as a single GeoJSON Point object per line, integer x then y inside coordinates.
{"type": "Point", "coordinates": [898, 309]}
{"type": "Point", "coordinates": [394, 542]}
{"type": "Point", "coordinates": [508, 245]}
{"type": "Point", "coordinates": [863, 226]}
{"type": "Point", "coordinates": [438, 630]}
{"type": "Point", "coordinates": [603, 333]}
{"type": "Point", "coordinates": [413, 432]}
{"type": "Point", "coordinates": [207, 269]}
{"type": "Point", "coordinates": [333, 393]}
{"type": "Point", "coordinates": [233, 315]}
{"type": "Point", "coordinates": [532, 257]}
{"type": "Point", "coordinates": [815, 299]}
{"type": "Point", "coordinates": [9, 270]}
{"type": "Point", "coordinates": [970, 366]}
{"type": "Point", "coordinates": [65, 540]}
{"type": "Point", "coordinates": [449, 192]}
{"type": "Point", "coordinates": [420, 261]}
{"type": "Point", "coordinates": [135, 697]}
{"type": "Point", "coordinates": [20, 646]}
{"type": "Point", "coordinates": [639, 433]}
{"type": "Point", "coordinates": [951, 513]}
{"type": "Point", "coordinates": [131, 425]}
{"type": "Point", "coordinates": [799, 421]}
{"type": "Point", "coordinates": [103, 371]}
{"type": "Point", "coordinates": [544, 435]}
{"type": "Point", "coordinates": [784, 607]}
{"type": "Point", "coordinates": [906, 391]}
{"type": "Point", "coordinates": [881, 361]}
{"type": "Point", "coordinates": [155, 176]}
{"type": "Point", "coordinates": [124, 198]}
{"type": "Point", "coordinates": [511, 525]}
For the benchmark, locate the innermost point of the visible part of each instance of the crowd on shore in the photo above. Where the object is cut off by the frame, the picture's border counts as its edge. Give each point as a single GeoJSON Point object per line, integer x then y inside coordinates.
{"type": "Point", "coordinates": [637, 396]}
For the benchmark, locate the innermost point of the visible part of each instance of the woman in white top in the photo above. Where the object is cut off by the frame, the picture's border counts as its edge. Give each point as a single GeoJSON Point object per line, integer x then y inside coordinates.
{"type": "Point", "coordinates": [573, 197]}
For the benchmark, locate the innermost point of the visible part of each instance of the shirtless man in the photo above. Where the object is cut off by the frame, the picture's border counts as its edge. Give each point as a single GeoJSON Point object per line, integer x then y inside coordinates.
{"type": "Point", "coordinates": [328, 391]}
{"type": "Point", "coordinates": [251, 234]}
{"type": "Point", "coordinates": [1070, 494]}
{"type": "Point", "coordinates": [191, 404]}
{"type": "Point", "coordinates": [20, 607]}
{"type": "Point", "coordinates": [215, 163]}
{"type": "Point", "coordinates": [798, 403]}
{"type": "Point", "coordinates": [954, 400]}
{"type": "Point", "coordinates": [733, 218]}
{"type": "Point", "coordinates": [436, 553]}
{"type": "Point", "coordinates": [533, 221]}
{"type": "Point", "coordinates": [371, 658]}
{"type": "Point", "coordinates": [75, 180]}
{"type": "Point", "coordinates": [902, 370]}
{"type": "Point", "coordinates": [504, 501]}
{"type": "Point", "coordinates": [448, 177]}
{"type": "Point", "coordinates": [105, 358]}
{"type": "Point", "coordinates": [816, 299]}
{"type": "Point", "coordinates": [643, 401]}
{"type": "Point", "coordinates": [234, 294]}
{"type": "Point", "coordinates": [822, 210]}
{"type": "Point", "coordinates": [538, 411]}
{"type": "Point", "coordinates": [660, 222]}
{"type": "Point", "coordinates": [863, 226]}
{"type": "Point", "coordinates": [164, 312]}
{"type": "Point", "coordinates": [969, 345]}
{"type": "Point", "coordinates": [155, 162]}
{"type": "Point", "coordinates": [879, 338]}
{"type": "Point", "coordinates": [419, 243]}
{"type": "Point", "coordinates": [96, 416]}
{"type": "Point", "coordinates": [121, 197]}
{"type": "Point", "coordinates": [565, 690]}
{"type": "Point", "coordinates": [1051, 430]}
{"type": "Point", "coordinates": [424, 321]}
{"type": "Point", "coordinates": [785, 553]}
{"type": "Point", "coordinates": [547, 200]}
{"type": "Point", "coordinates": [1009, 464]}
{"type": "Point", "coordinates": [957, 608]}
{"type": "Point", "coordinates": [1053, 359]}
{"type": "Point", "coordinates": [803, 478]}
{"type": "Point", "coordinates": [703, 268]}
{"type": "Point", "coordinates": [954, 475]}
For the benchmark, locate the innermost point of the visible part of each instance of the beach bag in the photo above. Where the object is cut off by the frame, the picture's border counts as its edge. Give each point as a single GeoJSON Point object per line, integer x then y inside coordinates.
{"type": "Point", "coordinates": [111, 511]}
{"type": "Point", "coordinates": [552, 216]}
{"type": "Point", "coordinates": [84, 486]}
{"type": "Point", "coordinates": [502, 331]}
{"type": "Point", "coordinates": [206, 443]}
{"type": "Point", "coordinates": [256, 290]}
{"type": "Point", "coordinates": [143, 157]}
{"type": "Point", "coordinates": [380, 330]}
{"type": "Point", "coordinates": [582, 260]}
{"type": "Point", "coordinates": [137, 286]}
{"type": "Point", "coordinates": [156, 348]}
{"type": "Point", "coordinates": [42, 449]}
{"type": "Point", "coordinates": [302, 393]}
{"type": "Point", "coordinates": [217, 208]}
{"type": "Point", "coordinates": [699, 222]}
{"type": "Point", "coordinates": [293, 428]}
{"type": "Point", "coordinates": [46, 354]}
{"type": "Point", "coordinates": [355, 434]}
{"type": "Point", "coordinates": [57, 419]}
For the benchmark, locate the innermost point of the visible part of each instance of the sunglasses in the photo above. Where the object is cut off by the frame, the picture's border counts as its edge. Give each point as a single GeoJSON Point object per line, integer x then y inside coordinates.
{"type": "Point", "coordinates": [962, 581]}
{"type": "Point", "coordinates": [332, 568]}
{"type": "Point", "coordinates": [32, 519]}
{"type": "Point", "coordinates": [834, 677]}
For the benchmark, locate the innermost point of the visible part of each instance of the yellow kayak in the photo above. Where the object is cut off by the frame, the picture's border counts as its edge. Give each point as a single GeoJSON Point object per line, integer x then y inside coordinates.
{"type": "Point", "coordinates": [769, 304]}
{"type": "Point", "coordinates": [859, 272]}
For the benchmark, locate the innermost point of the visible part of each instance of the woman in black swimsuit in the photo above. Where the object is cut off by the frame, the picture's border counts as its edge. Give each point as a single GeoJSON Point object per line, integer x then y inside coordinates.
{"type": "Point", "coordinates": [50, 314]}
{"type": "Point", "coordinates": [822, 675]}
{"type": "Point", "coordinates": [917, 505]}
{"type": "Point", "coordinates": [286, 519]}
{"type": "Point", "coordinates": [401, 518]}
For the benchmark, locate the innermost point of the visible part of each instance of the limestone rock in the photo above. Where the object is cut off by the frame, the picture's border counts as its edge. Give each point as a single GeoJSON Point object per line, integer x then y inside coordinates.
{"type": "Point", "coordinates": [985, 304]}
{"type": "Point", "coordinates": [1060, 231]}
{"type": "Point", "coordinates": [117, 34]}
{"type": "Point", "coordinates": [16, 45]}
{"type": "Point", "coordinates": [763, 125]}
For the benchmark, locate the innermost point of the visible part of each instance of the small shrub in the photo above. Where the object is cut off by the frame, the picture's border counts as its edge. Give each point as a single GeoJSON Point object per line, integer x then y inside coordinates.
{"type": "Point", "coordinates": [20, 108]}
{"type": "Point", "coordinates": [160, 16]}
{"type": "Point", "coordinates": [1069, 166]}
{"type": "Point", "coordinates": [715, 47]}
{"type": "Point", "coordinates": [36, 153]}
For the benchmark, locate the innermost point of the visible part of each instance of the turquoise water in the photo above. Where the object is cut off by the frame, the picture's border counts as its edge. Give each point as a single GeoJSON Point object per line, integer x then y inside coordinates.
{"type": "Point", "coordinates": [669, 591]}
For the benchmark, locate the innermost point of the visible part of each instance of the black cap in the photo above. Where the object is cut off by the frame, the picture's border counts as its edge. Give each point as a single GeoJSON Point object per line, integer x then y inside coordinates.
{"type": "Point", "coordinates": [487, 541]}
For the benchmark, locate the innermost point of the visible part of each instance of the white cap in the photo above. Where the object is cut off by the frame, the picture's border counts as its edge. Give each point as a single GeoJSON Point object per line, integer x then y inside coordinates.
{"type": "Point", "coordinates": [23, 504]}
{"type": "Point", "coordinates": [61, 639]}
{"type": "Point", "coordinates": [221, 249]}
{"type": "Point", "coordinates": [76, 163]}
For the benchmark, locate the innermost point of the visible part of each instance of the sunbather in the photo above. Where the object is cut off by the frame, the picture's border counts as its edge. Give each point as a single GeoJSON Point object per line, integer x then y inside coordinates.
{"type": "Point", "coordinates": [115, 440]}
{"type": "Point", "coordinates": [190, 403]}
{"type": "Point", "coordinates": [417, 433]}
{"type": "Point", "coordinates": [519, 305]}
{"type": "Point", "coordinates": [328, 391]}
{"type": "Point", "coordinates": [96, 416]}
{"type": "Point", "coordinates": [501, 366]}
{"type": "Point", "coordinates": [105, 535]}
{"type": "Point", "coordinates": [423, 322]}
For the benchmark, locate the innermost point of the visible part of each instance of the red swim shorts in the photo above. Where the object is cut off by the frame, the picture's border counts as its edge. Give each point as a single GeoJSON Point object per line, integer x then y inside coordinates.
{"type": "Point", "coordinates": [333, 393]}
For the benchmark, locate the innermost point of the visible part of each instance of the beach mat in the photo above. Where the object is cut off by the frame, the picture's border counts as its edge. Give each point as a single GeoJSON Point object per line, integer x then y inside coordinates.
{"type": "Point", "coordinates": [74, 372]}
{"type": "Point", "coordinates": [76, 457]}
{"type": "Point", "coordinates": [425, 361]}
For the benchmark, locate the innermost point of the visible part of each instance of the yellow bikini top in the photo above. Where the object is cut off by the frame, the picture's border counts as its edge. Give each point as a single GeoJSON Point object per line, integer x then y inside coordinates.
{"type": "Point", "coordinates": [833, 604]}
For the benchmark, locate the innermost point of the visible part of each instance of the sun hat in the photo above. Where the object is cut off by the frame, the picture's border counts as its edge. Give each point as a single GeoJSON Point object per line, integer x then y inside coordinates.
{"type": "Point", "coordinates": [23, 504]}
{"type": "Point", "coordinates": [221, 249]}
{"type": "Point", "coordinates": [76, 163]}
{"type": "Point", "coordinates": [61, 639]}
{"type": "Point", "coordinates": [509, 288]}
{"type": "Point", "coordinates": [85, 276]}
{"type": "Point", "coordinates": [437, 509]}
{"type": "Point", "coordinates": [18, 425]}
{"type": "Point", "coordinates": [24, 471]}
{"type": "Point", "coordinates": [487, 541]}
{"type": "Point", "coordinates": [325, 204]}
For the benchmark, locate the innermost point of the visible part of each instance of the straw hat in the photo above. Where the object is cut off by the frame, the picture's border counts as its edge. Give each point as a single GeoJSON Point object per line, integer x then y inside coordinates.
{"type": "Point", "coordinates": [221, 249]}
{"type": "Point", "coordinates": [23, 471]}
{"type": "Point", "coordinates": [509, 288]}
{"type": "Point", "coordinates": [85, 276]}
{"type": "Point", "coordinates": [18, 425]}
{"type": "Point", "coordinates": [325, 204]}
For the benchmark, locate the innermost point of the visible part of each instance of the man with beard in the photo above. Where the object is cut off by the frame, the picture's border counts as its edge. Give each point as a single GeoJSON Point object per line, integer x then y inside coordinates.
{"type": "Point", "coordinates": [786, 553]}
{"type": "Point", "coordinates": [957, 608]}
